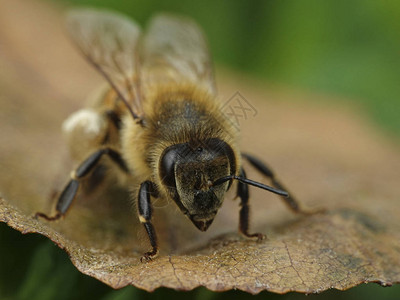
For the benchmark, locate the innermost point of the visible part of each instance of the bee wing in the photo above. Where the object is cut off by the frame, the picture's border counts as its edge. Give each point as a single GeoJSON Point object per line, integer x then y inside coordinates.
{"type": "Point", "coordinates": [174, 48]}
{"type": "Point", "coordinates": [109, 41]}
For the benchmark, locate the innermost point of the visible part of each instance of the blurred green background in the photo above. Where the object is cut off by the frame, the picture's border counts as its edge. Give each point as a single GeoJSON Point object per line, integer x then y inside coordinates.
{"type": "Point", "coordinates": [343, 48]}
{"type": "Point", "coordinates": [349, 49]}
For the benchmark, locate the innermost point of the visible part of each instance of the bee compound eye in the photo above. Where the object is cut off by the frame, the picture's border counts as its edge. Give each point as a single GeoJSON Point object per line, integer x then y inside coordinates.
{"type": "Point", "coordinates": [167, 166]}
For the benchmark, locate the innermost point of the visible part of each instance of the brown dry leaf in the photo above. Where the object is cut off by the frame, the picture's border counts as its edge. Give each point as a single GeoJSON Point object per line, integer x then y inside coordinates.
{"type": "Point", "coordinates": [327, 155]}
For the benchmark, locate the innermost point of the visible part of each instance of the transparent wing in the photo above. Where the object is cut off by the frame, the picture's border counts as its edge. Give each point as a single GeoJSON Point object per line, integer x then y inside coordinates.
{"type": "Point", "coordinates": [109, 41]}
{"type": "Point", "coordinates": [174, 48]}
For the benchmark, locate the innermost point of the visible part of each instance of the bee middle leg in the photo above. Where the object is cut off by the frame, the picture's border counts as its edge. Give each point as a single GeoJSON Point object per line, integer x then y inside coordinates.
{"type": "Point", "coordinates": [145, 211]}
{"type": "Point", "coordinates": [243, 194]}
{"type": "Point", "coordinates": [70, 191]}
{"type": "Point", "coordinates": [290, 201]}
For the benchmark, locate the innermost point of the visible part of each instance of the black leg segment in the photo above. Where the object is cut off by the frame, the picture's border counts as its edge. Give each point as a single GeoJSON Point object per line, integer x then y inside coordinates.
{"type": "Point", "coordinates": [145, 213]}
{"type": "Point", "coordinates": [69, 193]}
{"type": "Point", "coordinates": [243, 194]}
{"type": "Point", "coordinates": [93, 159]}
{"type": "Point", "coordinates": [290, 201]}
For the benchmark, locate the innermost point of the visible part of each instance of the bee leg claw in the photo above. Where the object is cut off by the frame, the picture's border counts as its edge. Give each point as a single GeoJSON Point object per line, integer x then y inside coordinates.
{"type": "Point", "coordinates": [46, 217]}
{"type": "Point", "coordinates": [148, 256]}
{"type": "Point", "coordinates": [145, 258]}
{"type": "Point", "coordinates": [260, 237]}
{"type": "Point", "coordinates": [257, 236]}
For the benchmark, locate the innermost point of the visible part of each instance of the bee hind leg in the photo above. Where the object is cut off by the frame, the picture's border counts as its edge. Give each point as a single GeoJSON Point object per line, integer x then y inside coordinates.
{"type": "Point", "coordinates": [70, 191]}
{"type": "Point", "coordinates": [290, 201]}
{"type": "Point", "coordinates": [243, 194]}
{"type": "Point", "coordinates": [145, 211]}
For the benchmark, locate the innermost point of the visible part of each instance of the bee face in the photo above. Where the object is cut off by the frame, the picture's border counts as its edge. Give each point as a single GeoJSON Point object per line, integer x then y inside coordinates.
{"type": "Point", "coordinates": [188, 171]}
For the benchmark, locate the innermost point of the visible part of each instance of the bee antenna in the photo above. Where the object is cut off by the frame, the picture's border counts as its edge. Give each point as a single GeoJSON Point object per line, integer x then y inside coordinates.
{"type": "Point", "coordinates": [251, 182]}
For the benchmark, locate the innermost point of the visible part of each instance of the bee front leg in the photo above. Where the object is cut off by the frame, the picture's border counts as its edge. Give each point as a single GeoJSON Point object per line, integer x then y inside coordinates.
{"type": "Point", "coordinates": [145, 213]}
{"type": "Point", "coordinates": [69, 193]}
{"type": "Point", "coordinates": [243, 194]}
{"type": "Point", "coordinates": [290, 201]}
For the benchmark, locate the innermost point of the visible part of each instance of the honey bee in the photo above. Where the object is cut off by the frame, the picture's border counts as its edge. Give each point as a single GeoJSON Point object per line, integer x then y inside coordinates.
{"type": "Point", "coordinates": [160, 122]}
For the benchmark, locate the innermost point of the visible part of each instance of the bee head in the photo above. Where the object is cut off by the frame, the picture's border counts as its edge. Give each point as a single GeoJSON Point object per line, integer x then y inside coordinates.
{"type": "Point", "coordinates": [188, 171]}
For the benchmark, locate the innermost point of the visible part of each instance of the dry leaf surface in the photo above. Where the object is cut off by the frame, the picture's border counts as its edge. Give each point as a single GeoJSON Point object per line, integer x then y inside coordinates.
{"type": "Point", "coordinates": [328, 156]}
